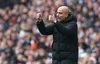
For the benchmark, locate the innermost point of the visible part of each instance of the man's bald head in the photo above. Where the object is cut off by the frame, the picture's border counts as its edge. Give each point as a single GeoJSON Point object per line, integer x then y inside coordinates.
{"type": "Point", "coordinates": [62, 12]}
{"type": "Point", "coordinates": [65, 9]}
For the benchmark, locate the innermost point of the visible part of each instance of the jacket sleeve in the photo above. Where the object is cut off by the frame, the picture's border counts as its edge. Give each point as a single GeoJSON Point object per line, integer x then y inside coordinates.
{"type": "Point", "coordinates": [69, 30]}
{"type": "Point", "coordinates": [45, 30]}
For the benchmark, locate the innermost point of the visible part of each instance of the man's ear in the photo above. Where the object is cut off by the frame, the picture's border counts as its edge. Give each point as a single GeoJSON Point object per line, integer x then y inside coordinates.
{"type": "Point", "coordinates": [67, 15]}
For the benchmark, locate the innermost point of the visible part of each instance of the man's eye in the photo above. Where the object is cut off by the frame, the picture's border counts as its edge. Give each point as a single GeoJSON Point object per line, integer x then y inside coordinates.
{"type": "Point", "coordinates": [59, 13]}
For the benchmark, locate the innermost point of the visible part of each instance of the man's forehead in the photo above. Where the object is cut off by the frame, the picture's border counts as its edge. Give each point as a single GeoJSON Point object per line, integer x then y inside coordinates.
{"type": "Point", "coordinates": [59, 10]}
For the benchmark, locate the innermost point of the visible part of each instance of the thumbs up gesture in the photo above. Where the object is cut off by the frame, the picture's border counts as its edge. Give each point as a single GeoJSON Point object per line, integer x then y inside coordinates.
{"type": "Point", "coordinates": [39, 16]}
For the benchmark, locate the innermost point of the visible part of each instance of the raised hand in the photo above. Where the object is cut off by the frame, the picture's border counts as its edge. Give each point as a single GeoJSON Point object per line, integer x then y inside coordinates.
{"type": "Point", "coordinates": [39, 16]}
{"type": "Point", "coordinates": [52, 18]}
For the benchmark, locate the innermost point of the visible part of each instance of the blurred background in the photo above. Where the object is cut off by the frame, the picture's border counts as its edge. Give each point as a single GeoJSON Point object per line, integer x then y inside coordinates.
{"type": "Point", "coordinates": [22, 43]}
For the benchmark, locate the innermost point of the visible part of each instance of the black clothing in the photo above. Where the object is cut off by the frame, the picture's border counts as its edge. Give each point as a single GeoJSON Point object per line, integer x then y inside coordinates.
{"type": "Point", "coordinates": [65, 41]}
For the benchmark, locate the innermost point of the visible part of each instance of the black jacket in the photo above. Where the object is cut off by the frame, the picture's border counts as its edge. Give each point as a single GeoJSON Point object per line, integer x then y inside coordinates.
{"type": "Point", "coordinates": [65, 41]}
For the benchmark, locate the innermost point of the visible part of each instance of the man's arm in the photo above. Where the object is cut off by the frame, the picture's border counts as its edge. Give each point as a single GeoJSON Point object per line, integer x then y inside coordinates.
{"type": "Point", "coordinates": [41, 26]}
{"type": "Point", "coordinates": [68, 30]}
{"type": "Point", "coordinates": [48, 30]}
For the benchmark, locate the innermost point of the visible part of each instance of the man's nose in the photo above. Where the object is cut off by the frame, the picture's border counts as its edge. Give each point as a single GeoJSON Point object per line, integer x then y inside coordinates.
{"type": "Point", "coordinates": [57, 14]}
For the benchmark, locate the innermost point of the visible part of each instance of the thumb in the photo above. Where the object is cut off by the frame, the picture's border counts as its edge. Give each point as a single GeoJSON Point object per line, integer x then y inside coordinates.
{"type": "Point", "coordinates": [50, 17]}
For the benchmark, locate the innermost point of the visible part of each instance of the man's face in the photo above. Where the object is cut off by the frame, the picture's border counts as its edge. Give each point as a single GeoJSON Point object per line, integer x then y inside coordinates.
{"type": "Point", "coordinates": [61, 14]}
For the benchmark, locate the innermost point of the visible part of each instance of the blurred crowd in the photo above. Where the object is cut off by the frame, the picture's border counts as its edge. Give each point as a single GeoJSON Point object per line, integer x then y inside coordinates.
{"type": "Point", "coordinates": [22, 43]}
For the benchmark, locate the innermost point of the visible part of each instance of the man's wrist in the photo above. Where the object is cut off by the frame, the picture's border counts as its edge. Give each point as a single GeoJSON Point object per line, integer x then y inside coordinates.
{"type": "Point", "coordinates": [39, 20]}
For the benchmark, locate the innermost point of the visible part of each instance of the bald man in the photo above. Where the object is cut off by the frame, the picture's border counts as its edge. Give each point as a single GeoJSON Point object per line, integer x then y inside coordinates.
{"type": "Point", "coordinates": [64, 31]}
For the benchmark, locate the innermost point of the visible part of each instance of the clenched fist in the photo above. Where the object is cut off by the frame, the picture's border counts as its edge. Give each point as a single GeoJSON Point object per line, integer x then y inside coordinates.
{"type": "Point", "coordinates": [52, 18]}
{"type": "Point", "coordinates": [39, 16]}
